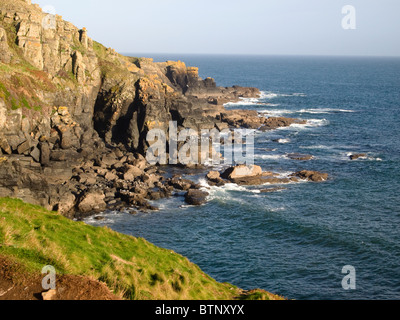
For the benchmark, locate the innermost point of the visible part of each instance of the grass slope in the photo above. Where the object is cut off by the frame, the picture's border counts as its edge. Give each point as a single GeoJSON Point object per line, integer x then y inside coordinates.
{"type": "Point", "coordinates": [132, 267]}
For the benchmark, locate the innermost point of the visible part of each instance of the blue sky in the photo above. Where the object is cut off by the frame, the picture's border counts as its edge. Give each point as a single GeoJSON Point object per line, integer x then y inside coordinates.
{"type": "Point", "coordinates": [290, 27]}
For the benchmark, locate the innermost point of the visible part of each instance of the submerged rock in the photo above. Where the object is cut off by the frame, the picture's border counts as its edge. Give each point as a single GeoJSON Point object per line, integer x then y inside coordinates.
{"type": "Point", "coordinates": [357, 156]}
{"type": "Point", "coordinates": [300, 157]}
{"type": "Point", "coordinates": [314, 176]}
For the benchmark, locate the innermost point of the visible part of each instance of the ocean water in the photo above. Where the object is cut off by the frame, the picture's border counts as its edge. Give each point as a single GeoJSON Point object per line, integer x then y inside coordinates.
{"type": "Point", "coordinates": [295, 242]}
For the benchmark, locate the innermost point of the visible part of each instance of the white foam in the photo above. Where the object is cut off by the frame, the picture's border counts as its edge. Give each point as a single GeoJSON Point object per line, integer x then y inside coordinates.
{"type": "Point", "coordinates": [314, 123]}
{"type": "Point", "coordinates": [278, 209]}
{"type": "Point", "coordinates": [325, 111]}
{"type": "Point", "coordinates": [317, 147]}
{"type": "Point", "coordinates": [282, 112]}
{"type": "Point", "coordinates": [367, 157]}
{"type": "Point", "coordinates": [225, 193]}
{"type": "Point", "coordinates": [272, 95]}
{"type": "Point", "coordinates": [283, 141]}
{"type": "Point", "coordinates": [276, 112]}
{"type": "Point", "coordinates": [270, 156]}
{"type": "Point", "coordinates": [264, 96]}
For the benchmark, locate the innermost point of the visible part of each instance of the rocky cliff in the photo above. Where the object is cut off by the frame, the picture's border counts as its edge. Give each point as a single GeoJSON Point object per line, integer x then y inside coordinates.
{"type": "Point", "coordinates": [74, 114]}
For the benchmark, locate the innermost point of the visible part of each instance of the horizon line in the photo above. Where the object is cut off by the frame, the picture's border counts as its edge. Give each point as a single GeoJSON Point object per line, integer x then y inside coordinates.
{"type": "Point", "coordinates": [146, 54]}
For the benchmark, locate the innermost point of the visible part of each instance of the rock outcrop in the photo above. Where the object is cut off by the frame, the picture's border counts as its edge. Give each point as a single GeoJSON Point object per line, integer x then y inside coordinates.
{"type": "Point", "coordinates": [74, 117]}
{"type": "Point", "coordinates": [254, 176]}
{"type": "Point", "coordinates": [67, 102]}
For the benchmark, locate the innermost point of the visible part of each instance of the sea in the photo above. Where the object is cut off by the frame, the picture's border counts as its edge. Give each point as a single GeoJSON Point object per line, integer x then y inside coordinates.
{"type": "Point", "coordinates": [299, 242]}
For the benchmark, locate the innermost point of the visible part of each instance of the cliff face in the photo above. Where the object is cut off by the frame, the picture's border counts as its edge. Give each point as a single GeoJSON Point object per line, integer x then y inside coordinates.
{"type": "Point", "coordinates": [65, 99]}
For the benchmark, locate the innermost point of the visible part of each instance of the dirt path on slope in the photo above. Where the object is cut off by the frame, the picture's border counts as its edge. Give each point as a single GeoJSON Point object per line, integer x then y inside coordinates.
{"type": "Point", "coordinates": [17, 284]}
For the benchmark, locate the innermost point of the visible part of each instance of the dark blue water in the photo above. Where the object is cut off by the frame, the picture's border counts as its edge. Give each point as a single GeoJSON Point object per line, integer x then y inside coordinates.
{"type": "Point", "coordinates": [296, 242]}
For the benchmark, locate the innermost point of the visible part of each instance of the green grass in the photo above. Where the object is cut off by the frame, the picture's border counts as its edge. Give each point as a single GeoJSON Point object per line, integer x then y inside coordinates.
{"type": "Point", "coordinates": [131, 267]}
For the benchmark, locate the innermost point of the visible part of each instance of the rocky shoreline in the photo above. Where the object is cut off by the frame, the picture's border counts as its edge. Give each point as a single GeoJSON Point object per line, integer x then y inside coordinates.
{"type": "Point", "coordinates": [74, 116]}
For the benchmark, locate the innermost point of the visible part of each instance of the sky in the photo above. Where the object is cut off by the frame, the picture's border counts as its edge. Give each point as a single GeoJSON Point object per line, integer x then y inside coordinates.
{"type": "Point", "coordinates": [261, 27]}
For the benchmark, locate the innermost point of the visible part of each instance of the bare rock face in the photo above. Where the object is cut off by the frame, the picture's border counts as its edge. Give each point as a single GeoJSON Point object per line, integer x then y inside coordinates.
{"type": "Point", "coordinates": [5, 56]}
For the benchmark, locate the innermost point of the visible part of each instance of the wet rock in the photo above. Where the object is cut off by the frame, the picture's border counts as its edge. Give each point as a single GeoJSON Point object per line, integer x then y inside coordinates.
{"type": "Point", "coordinates": [300, 157]}
{"type": "Point", "coordinates": [214, 178]}
{"type": "Point", "coordinates": [181, 184]}
{"type": "Point", "coordinates": [279, 122]}
{"type": "Point", "coordinates": [357, 156]}
{"type": "Point", "coordinates": [196, 197]}
{"type": "Point", "coordinates": [314, 176]}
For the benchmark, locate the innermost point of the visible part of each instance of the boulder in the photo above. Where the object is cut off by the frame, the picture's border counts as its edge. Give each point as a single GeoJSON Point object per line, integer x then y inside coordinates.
{"type": "Point", "coordinates": [24, 147]}
{"type": "Point", "coordinates": [196, 197]}
{"type": "Point", "coordinates": [92, 201]}
{"type": "Point", "coordinates": [35, 154]}
{"type": "Point", "coordinates": [44, 153]}
{"type": "Point", "coordinates": [66, 204]}
{"type": "Point", "coordinates": [181, 184]}
{"type": "Point", "coordinates": [4, 145]}
{"type": "Point", "coordinates": [214, 178]}
{"type": "Point", "coordinates": [279, 122]}
{"type": "Point", "coordinates": [110, 176]}
{"type": "Point", "coordinates": [242, 171]}
{"type": "Point", "coordinates": [213, 175]}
